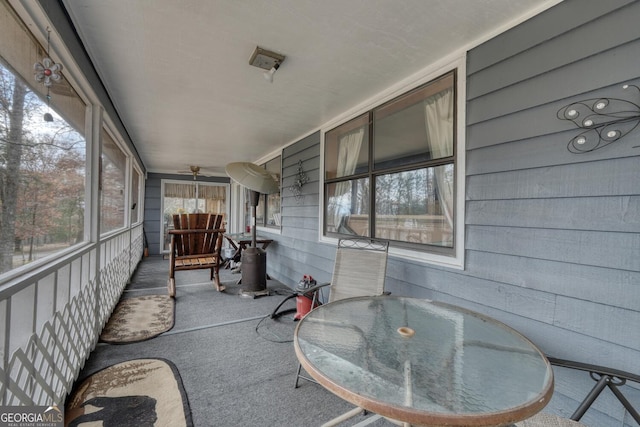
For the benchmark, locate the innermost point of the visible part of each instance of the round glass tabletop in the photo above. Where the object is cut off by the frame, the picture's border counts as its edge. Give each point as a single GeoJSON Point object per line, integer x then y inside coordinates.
{"type": "Point", "coordinates": [424, 362]}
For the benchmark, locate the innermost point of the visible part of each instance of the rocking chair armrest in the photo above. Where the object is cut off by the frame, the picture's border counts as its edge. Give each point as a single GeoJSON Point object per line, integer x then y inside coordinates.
{"type": "Point", "coordinates": [181, 232]}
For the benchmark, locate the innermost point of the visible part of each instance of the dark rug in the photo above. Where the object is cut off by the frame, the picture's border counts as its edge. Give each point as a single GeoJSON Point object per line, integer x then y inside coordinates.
{"type": "Point", "coordinates": [136, 393]}
{"type": "Point", "coordinates": [138, 319]}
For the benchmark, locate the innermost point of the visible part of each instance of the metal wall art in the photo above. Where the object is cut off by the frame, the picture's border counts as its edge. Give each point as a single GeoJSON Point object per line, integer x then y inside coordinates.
{"type": "Point", "coordinates": [604, 120]}
{"type": "Point", "coordinates": [300, 179]}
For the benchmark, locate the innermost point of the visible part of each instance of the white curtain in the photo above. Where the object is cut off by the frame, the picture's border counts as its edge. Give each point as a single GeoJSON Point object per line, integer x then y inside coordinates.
{"type": "Point", "coordinates": [180, 191]}
{"type": "Point", "coordinates": [214, 196]}
{"type": "Point", "coordinates": [348, 153]}
{"type": "Point", "coordinates": [438, 111]}
{"type": "Point", "coordinates": [211, 192]}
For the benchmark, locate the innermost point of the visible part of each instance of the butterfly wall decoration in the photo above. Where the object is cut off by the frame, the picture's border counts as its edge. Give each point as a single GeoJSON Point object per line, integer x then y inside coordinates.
{"type": "Point", "coordinates": [604, 120]}
{"type": "Point", "coordinates": [300, 180]}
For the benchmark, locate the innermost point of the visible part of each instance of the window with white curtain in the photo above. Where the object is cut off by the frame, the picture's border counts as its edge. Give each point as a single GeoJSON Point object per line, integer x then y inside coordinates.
{"type": "Point", "coordinates": [390, 172]}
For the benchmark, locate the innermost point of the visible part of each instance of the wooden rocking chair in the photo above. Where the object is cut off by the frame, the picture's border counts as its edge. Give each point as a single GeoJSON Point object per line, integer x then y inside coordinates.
{"type": "Point", "coordinates": [196, 241]}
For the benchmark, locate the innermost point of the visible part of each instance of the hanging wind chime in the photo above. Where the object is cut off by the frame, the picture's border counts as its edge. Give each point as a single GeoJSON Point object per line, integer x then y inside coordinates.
{"type": "Point", "coordinates": [47, 72]}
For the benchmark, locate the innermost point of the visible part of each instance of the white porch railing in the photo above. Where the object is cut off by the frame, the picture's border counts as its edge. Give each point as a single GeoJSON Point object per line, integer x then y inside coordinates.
{"type": "Point", "coordinates": [53, 317]}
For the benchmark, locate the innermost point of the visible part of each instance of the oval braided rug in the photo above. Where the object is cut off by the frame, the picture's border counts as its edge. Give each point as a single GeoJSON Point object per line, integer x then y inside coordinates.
{"type": "Point", "coordinates": [135, 393]}
{"type": "Point", "coordinates": [138, 319]}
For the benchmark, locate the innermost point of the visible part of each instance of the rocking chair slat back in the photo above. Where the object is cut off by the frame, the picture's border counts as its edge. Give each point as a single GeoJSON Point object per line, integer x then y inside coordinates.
{"type": "Point", "coordinates": [196, 242]}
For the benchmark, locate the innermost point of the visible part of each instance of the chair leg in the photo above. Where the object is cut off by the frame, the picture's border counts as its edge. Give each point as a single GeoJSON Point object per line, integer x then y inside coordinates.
{"type": "Point", "coordinates": [171, 287]}
{"type": "Point", "coordinates": [298, 375]}
{"type": "Point", "coordinates": [215, 273]}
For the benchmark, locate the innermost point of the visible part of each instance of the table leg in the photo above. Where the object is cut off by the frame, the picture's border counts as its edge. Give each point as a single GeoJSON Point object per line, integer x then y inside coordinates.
{"type": "Point", "coordinates": [337, 420]}
{"type": "Point", "coordinates": [408, 387]}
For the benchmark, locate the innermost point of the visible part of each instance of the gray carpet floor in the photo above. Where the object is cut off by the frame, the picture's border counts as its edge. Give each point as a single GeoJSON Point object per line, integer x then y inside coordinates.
{"type": "Point", "coordinates": [237, 364]}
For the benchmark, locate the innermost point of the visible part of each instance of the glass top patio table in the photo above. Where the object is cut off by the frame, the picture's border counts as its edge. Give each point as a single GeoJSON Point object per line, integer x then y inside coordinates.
{"type": "Point", "coordinates": [424, 362]}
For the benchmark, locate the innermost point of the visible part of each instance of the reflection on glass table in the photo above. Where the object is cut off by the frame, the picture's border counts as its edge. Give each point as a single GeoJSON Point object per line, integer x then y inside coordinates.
{"type": "Point", "coordinates": [423, 362]}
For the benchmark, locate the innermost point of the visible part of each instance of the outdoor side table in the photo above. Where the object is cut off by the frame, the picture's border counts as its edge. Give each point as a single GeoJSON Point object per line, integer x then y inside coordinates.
{"type": "Point", "coordinates": [240, 242]}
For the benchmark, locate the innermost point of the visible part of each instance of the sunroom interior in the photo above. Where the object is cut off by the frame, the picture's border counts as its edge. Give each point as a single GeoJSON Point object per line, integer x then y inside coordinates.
{"type": "Point", "coordinates": [494, 145]}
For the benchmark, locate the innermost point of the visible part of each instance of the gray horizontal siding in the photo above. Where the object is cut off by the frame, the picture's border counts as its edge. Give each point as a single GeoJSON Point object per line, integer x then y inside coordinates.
{"type": "Point", "coordinates": [609, 214]}
{"type": "Point", "coordinates": [561, 228]}
{"type": "Point", "coordinates": [548, 25]}
{"type": "Point", "coordinates": [609, 286]}
{"type": "Point", "coordinates": [598, 321]}
{"type": "Point", "coordinates": [561, 50]}
{"type": "Point", "coordinates": [152, 214]}
{"type": "Point", "coordinates": [302, 222]}
{"type": "Point", "coordinates": [525, 176]}
{"type": "Point", "coordinates": [592, 248]}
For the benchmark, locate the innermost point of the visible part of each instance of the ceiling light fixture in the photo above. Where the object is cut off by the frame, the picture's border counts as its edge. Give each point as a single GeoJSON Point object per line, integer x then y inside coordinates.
{"type": "Point", "coordinates": [268, 76]}
{"type": "Point", "coordinates": [267, 60]}
{"type": "Point", "coordinates": [195, 170]}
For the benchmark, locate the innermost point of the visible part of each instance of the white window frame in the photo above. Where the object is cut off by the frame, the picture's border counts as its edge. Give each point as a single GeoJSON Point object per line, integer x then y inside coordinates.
{"type": "Point", "coordinates": [140, 201]}
{"type": "Point", "coordinates": [241, 204]}
{"type": "Point", "coordinates": [107, 126]}
{"type": "Point", "coordinates": [457, 63]}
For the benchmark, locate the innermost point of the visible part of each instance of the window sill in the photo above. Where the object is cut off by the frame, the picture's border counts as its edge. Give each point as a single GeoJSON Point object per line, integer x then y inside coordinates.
{"type": "Point", "coordinates": [272, 230]}
{"type": "Point", "coordinates": [455, 262]}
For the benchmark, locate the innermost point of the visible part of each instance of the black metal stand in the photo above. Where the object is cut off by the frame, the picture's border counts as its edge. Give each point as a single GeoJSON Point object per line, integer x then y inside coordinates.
{"type": "Point", "coordinates": [254, 260]}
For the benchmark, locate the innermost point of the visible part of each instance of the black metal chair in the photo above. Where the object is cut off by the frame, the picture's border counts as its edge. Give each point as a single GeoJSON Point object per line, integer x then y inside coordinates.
{"type": "Point", "coordinates": [604, 377]}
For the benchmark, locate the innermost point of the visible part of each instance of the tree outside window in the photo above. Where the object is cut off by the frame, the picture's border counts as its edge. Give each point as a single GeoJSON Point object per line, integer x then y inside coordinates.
{"type": "Point", "coordinates": [42, 176]}
{"type": "Point", "coordinates": [389, 173]}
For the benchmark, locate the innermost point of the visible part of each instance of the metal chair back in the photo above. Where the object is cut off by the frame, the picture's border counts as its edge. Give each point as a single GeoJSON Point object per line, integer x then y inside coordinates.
{"type": "Point", "coordinates": [360, 268]}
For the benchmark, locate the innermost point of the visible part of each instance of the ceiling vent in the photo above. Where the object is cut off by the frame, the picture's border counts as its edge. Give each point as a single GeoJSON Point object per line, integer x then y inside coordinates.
{"type": "Point", "coordinates": [266, 59]}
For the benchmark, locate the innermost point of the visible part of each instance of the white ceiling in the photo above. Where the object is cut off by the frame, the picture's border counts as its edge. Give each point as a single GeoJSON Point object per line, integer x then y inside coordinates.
{"type": "Point", "coordinates": [178, 72]}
